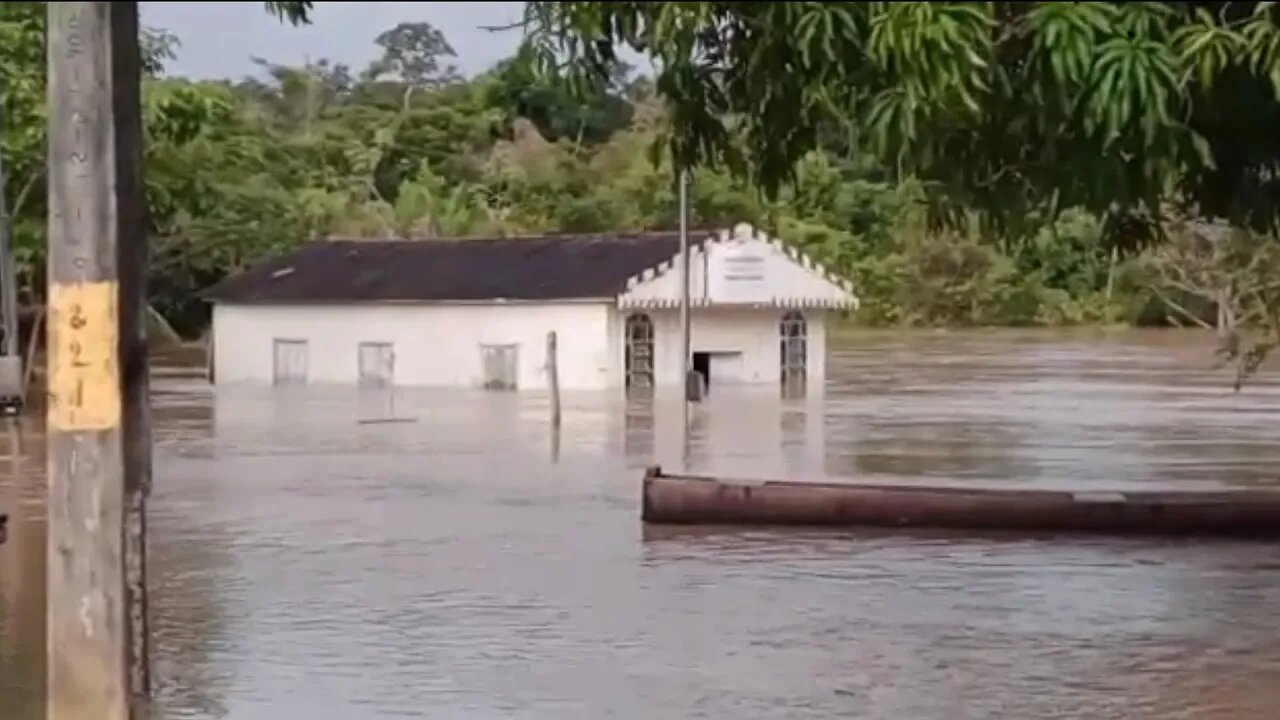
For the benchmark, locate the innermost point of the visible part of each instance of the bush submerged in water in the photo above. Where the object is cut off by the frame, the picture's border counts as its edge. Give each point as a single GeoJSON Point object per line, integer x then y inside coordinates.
{"type": "Point", "coordinates": [922, 276]}
{"type": "Point", "coordinates": [955, 280]}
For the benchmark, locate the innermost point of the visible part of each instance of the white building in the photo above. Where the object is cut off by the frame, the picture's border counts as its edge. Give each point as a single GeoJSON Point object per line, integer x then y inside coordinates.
{"type": "Point", "coordinates": [477, 312]}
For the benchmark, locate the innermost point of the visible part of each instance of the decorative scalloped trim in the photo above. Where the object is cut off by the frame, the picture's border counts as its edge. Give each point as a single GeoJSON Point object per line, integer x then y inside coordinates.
{"type": "Point", "coordinates": [744, 232]}
{"type": "Point", "coordinates": [787, 303]}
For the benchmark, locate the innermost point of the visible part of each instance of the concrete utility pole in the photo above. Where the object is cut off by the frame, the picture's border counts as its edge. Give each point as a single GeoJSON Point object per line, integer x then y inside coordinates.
{"type": "Point", "coordinates": [98, 437]}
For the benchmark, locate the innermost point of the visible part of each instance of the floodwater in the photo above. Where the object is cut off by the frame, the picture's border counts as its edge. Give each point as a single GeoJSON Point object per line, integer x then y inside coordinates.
{"type": "Point", "coordinates": [466, 565]}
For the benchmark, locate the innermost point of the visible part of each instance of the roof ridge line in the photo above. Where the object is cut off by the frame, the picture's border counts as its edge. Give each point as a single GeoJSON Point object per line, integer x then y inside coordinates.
{"type": "Point", "coordinates": [494, 238]}
{"type": "Point", "coordinates": [562, 265]}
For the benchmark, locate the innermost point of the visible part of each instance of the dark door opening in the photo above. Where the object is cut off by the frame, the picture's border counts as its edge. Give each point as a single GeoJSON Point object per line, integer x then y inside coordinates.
{"type": "Point", "coordinates": [702, 368]}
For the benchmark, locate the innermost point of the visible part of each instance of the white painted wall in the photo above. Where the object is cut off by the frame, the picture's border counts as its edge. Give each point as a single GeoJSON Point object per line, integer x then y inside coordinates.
{"type": "Point", "coordinates": [716, 276]}
{"type": "Point", "coordinates": [754, 332]}
{"type": "Point", "coordinates": [434, 345]}
{"type": "Point", "coordinates": [439, 345]}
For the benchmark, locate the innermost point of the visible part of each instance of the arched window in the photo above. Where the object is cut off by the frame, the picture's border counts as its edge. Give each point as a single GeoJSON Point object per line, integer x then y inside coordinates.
{"type": "Point", "coordinates": [794, 354]}
{"type": "Point", "coordinates": [639, 352]}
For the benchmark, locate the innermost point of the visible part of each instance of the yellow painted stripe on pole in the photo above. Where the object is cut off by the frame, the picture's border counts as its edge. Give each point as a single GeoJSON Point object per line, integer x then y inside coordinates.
{"type": "Point", "coordinates": [84, 356]}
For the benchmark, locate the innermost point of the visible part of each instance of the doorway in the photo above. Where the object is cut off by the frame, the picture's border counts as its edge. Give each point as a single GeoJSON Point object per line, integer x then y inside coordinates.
{"type": "Point", "coordinates": [702, 368]}
{"type": "Point", "coordinates": [726, 366]}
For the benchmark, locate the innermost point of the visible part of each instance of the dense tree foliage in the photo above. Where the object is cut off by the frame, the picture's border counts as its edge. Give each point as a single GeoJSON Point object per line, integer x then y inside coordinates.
{"type": "Point", "coordinates": [850, 131]}
{"type": "Point", "coordinates": [1008, 113]}
{"type": "Point", "coordinates": [1005, 105]}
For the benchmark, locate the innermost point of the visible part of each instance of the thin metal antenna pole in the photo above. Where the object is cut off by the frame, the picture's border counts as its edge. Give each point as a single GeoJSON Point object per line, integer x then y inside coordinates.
{"type": "Point", "coordinates": [686, 359]}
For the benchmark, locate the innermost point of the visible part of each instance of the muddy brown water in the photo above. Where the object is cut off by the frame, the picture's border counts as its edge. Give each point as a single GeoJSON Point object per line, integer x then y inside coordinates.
{"type": "Point", "coordinates": [468, 565]}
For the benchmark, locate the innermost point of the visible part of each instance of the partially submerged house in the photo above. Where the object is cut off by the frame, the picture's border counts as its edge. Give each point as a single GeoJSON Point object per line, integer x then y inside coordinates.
{"type": "Point", "coordinates": [477, 312]}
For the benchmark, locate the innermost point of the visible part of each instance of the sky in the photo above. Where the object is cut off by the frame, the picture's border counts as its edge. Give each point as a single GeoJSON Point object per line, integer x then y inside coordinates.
{"type": "Point", "coordinates": [219, 38]}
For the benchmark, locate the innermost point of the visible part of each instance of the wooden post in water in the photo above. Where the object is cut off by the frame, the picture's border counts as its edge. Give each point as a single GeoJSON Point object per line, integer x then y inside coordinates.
{"type": "Point", "coordinates": [553, 386]}
{"type": "Point", "coordinates": [98, 437]}
{"type": "Point", "coordinates": [208, 358]}
{"type": "Point", "coordinates": [553, 379]}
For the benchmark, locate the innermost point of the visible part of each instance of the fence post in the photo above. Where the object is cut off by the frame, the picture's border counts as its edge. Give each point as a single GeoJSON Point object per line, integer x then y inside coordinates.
{"type": "Point", "coordinates": [553, 379]}
{"type": "Point", "coordinates": [98, 433]}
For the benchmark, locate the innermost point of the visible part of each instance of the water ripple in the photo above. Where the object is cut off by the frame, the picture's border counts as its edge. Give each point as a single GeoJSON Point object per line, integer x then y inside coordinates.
{"type": "Point", "coordinates": [467, 566]}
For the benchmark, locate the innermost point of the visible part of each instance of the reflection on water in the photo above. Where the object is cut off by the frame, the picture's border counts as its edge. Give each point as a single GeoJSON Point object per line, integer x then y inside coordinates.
{"type": "Point", "coordinates": [22, 572]}
{"type": "Point", "coordinates": [462, 564]}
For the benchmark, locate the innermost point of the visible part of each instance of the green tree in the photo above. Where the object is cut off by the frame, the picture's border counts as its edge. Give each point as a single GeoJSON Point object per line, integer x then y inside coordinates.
{"type": "Point", "coordinates": [412, 54]}
{"type": "Point", "coordinates": [22, 109]}
{"type": "Point", "coordinates": [175, 116]}
{"type": "Point", "coordinates": [1006, 106]}
{"type": "Point", "coordinates": [1225, 279]}
{"type": "Point", "coordinates": [590, 114]}
{"type": "Point", "coordinates": [240, 171]}
{"type": "Point", "coordinates": [1018, 111]}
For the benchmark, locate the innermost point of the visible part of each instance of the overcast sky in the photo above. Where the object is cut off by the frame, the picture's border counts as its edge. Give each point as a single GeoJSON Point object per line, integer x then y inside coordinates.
{"type": "Point", "coordinates": [218, 38]}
